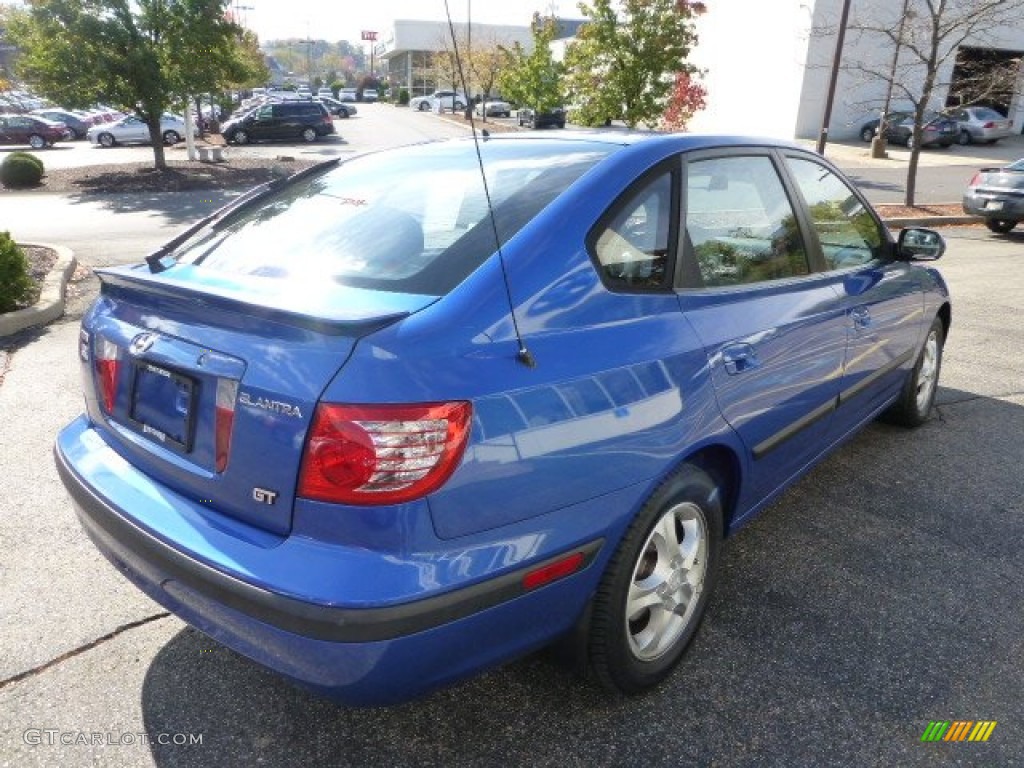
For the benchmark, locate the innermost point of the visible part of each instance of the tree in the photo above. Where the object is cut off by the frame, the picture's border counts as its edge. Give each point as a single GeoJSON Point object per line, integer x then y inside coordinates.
{"type": "Point", "coordinates": [144, 55]}
{"type": "Point", "coordinates": [621, 64]}
{"type": "Point", "coordinates": [534, 79]}
{"type": "Point", "coordinates": [927, 41]}
{"type": "Point", "coordinates": [686, 99]}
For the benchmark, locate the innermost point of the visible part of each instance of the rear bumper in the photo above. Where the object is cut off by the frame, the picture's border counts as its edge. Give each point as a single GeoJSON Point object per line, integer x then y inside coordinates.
{"type": "Point", "coordinates": [357, 655]}
{"type": "Point", "coordinates": [994, 205]}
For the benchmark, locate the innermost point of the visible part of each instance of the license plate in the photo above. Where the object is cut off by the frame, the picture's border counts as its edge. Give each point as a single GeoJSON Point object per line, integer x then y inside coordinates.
{"type": "Point", "coordinates": [994, 205]}
{"type": "Point", "coordinates": [162, 405]}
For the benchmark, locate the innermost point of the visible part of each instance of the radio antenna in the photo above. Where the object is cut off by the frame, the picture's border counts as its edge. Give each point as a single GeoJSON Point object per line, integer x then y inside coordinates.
{"type": "Point", "coordinates": [524, 355]}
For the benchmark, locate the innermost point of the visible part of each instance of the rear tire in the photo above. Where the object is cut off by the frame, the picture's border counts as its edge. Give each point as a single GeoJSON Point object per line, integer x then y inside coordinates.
{"type": "Point", "coordinates": [652, 596]}
{"type": "Point", "coordinates": [1000, 226]}
{"type": "Point", "coordinates": [308, 135]}
{"type": "Point", "coordinates": [36, 141]}
{"type": "Point", "coordinates": [867, 134]}
{"type": "Point", "coordinates": [964, 138]}
{"type": "Point", "coordinates": [171, 138]}
{"type": "Point", "coordinates": [918, 395]}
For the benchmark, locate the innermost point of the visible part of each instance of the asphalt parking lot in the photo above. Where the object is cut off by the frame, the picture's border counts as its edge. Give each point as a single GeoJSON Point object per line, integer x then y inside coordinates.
{"type": "Point", "coordinates": [879, 594]}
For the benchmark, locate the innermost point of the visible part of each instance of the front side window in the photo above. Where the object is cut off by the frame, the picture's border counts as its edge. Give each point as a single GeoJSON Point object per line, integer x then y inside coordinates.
{"type": "Point", "coordinates": [848, 234]}
{"type": "Point", "coordinates": [740, 226]}
{"type": "Point", "coordinates": [632, 248]}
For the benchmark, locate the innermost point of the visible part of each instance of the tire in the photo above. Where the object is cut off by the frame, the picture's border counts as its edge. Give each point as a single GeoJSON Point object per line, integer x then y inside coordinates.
{"type": "Point", "coordinates": [918, 395]}
{"type": "Point", "coordinates": [240, 137]}
{"type": "Point", "coordinates": [343, 114]}
{"type": "Point", "coordinates": [423, 107]}
{"type": "Point", "coordinates": [867, 134]}
{"type": "Point", "coordinates": [36, 141]}
{"type": "Point", "coordinates": [668, 556]}
{"type": "Point", "coordinates": [910, 141]}
{"type": "Point", "coordinates": [964, 138]}
{"type": "Point", "coordinates": [308, 135]}
{"type": "Point", "coordinates": [106, 140]}
{"type": "Point", "coordinates": [1000, 226]}
{"type": "Point", "coordinates": [171, 137]}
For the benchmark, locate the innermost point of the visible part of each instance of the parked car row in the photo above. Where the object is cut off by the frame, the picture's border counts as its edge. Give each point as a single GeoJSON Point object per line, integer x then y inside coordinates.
{"type": "Point", "coordinates": [968, 125]}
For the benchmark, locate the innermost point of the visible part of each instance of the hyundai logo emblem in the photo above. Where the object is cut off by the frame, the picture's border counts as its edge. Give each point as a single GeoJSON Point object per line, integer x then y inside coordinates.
{"type": "Point", "coordinates": [142, 343]}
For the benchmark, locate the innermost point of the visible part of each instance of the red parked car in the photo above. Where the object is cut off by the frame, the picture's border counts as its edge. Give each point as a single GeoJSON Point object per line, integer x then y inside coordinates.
{"type": "Point", "coordinates": [37, 132]}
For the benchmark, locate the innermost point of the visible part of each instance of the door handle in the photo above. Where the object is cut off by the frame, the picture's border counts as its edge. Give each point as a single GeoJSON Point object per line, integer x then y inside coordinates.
{"type": "Point", "coordinates": [861, 316]}
{"type": "Point", "coordinates": [738, 358]}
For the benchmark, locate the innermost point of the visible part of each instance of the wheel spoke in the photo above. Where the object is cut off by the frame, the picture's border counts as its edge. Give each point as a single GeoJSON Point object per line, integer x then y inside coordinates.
{"type": "Point", "coordinates": [642, 595]}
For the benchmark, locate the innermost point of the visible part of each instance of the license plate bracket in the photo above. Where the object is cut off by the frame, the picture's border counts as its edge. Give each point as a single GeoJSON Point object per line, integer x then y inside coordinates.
{"type": "Point", "coordinates": [163, 405]}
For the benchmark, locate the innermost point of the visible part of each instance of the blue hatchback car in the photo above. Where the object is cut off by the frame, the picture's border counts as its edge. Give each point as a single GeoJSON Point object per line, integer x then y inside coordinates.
{"type": "Point", "coordinates": [387, 423]}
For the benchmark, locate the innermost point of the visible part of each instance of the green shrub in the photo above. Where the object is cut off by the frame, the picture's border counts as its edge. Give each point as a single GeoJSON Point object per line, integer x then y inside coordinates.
{"type": "Point", "coordinates": [403, 97]}
{"type": "Point", "coordinates": [20, 169]}
{"type": "Point", "coordinates": [16, 287]}
{"type": "Point", "coordinates": [31, 157]}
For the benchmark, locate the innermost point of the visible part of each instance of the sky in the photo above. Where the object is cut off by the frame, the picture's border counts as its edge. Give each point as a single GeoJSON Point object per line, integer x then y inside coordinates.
{"type": "Point", "coordinates": [346, 19]}
{"type": "Point", "coordinates": [334, 20]}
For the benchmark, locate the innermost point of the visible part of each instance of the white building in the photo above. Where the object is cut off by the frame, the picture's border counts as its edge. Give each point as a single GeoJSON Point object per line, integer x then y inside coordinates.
{"type": "Point", "coordinates": [768, 63]}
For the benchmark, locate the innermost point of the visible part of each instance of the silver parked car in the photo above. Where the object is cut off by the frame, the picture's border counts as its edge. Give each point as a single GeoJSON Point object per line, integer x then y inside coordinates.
{"type": "Point", "coordinates": [981, 124]}
{"type": "Point", "coordinates": [132, 130]}
{"type": "Point", "coordinates": [997, 194]}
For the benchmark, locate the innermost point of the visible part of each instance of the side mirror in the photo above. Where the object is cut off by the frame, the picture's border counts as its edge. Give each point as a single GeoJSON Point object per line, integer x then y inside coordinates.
{"type": "Point", "coordinates": [917, 244]}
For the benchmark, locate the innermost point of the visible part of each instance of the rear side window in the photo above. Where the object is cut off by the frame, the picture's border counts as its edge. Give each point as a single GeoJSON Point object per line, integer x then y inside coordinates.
{"type": "Point", "coordinates": [740, 226]}
{"type": "Point", "coordinates": [848, 234]}
{"type": "Point", "coordinates": [414, 220]}
{"type": "Point", "coordinates": [632, 247]}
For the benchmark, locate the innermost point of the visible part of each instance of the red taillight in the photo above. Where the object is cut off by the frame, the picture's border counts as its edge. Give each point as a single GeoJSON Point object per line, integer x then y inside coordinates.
{"type": "Point", "coordinates": [976, 180]}
{"type": "Point", "coordinates": [382, 454]}
{"type": "Point", "coordinates": [107, 360]}
{"type": "Point", "coordinates": [989, 124]}
{"type": "Point", "coordinates": [227, 391]}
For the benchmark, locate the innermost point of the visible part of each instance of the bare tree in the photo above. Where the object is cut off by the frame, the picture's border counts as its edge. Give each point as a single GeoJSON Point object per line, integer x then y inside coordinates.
{"type": "Point", "coordinates": [928, 39]}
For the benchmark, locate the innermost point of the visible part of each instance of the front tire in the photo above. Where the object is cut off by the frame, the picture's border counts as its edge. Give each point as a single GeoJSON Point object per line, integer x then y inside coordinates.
{"type": "Point", "coordinates": [171, 138]}
{"type": "Point", "coordinates": [653, 594]}
{"type": "Point", "coordinates": [1000, 226]}
{"type": "Point", "coordinates": [964, 138]}
{"type": "Point", "coordinates": [867, 134]}
{"type": "Point", "coordinates": [106, 140]}
{"type": "Point", "coordinates": [36, 141]}
{"type": "Point", "coordinates": [423, 107]}
{"type": "Point", "coordinates": [918, 395]}
{"type": "Point", "coordinates": [240, 137]}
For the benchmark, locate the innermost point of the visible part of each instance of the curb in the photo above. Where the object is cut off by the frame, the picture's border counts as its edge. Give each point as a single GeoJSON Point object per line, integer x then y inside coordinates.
{"type": "Point", "coordinates": [933, 221]}
{"type": "Point", "coordinates": [51, 296]}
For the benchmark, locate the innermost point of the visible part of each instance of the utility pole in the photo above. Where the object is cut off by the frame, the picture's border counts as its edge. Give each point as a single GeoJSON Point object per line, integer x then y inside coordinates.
{"type": "Point", "coordinates": [830, 97]}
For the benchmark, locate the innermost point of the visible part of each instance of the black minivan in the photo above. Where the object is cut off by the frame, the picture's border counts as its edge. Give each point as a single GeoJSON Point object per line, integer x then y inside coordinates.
{"type": "Point", "coordinates": [306, 120]}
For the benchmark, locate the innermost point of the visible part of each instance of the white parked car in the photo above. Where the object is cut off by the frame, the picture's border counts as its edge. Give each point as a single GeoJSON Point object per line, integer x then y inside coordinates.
{"type": "Point", "coordinates": [347, 94]}
{"type": "Point", "coordinates": [438, 99]}
{"type": "Point", "coordinates": [494, 108]}
{"type": "Point", "coordinates": [132, 130]}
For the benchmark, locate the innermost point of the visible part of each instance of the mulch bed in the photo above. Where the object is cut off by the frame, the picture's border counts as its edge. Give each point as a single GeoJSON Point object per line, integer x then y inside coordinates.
{"type": "Point", "coordinates": [40, 262]}
{"type": "Point", "coordinates": [180, 176]}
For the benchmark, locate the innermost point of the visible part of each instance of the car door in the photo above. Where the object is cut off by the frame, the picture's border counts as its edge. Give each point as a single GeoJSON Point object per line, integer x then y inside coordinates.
{"type": "Point", "coordinates": [881, 298]}
{"type": "Point", "coordinates": [771, 325]}
{"type": "Point", "coordinates": [5, 132]}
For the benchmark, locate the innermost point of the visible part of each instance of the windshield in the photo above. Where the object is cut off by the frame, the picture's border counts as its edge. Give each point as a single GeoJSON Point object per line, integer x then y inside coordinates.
{"type": "Point", "coordinates": [413, 220]}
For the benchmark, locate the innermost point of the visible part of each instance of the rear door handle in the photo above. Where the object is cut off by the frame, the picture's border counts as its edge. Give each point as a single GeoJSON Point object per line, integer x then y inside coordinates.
{"type": "Point", "coordinates": [738, 358]}
{"type": "Point", "coordinates": [861, 316]}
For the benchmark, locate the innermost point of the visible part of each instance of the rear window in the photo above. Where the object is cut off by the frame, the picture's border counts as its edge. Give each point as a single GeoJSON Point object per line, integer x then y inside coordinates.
{"type": "Point", "coordinates": [413, 220]}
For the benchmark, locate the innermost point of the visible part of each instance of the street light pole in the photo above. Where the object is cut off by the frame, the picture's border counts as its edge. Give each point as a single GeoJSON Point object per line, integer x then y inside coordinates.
{"type": "Point", "coordinates": [830, 96]}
